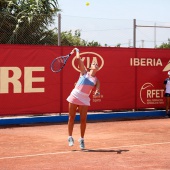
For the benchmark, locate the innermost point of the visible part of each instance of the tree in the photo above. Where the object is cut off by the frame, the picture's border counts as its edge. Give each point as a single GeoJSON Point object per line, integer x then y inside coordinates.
{"type": "Point", "coordinates": [68, 38]}
{"type": "Point", "coordinates": [118, 45]}
{"type": "Point", "coordinates": [165, 45]}
{"type": "Point", "coordinates": [27, 21]}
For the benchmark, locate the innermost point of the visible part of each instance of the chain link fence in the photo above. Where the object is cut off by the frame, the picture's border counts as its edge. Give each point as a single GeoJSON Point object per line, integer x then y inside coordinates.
{"type": "Point", "coordinates": [37, 30]}
{"type": "Point", "coordinates": [107, 32]}
{"type": "Point", "coordinates": [118, 32]}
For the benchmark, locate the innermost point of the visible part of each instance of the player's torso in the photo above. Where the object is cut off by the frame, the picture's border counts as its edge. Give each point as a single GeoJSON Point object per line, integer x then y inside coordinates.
{"type": "Point", "coordinates": [167, 85]}
{"type": "Point", "coordinates": [86, 83]}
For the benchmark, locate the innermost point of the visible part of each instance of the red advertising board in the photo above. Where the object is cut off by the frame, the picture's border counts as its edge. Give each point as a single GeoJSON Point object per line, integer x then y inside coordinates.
{"type": "Point", "coordinates": [130, 78]}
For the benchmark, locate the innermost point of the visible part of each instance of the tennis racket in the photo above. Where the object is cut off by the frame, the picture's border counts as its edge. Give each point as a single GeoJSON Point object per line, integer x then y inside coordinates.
{"type": "Point", "coordinates": [58, 63]}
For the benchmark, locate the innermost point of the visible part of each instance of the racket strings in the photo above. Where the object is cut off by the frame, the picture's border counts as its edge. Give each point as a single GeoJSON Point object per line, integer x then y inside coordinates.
{"type": "Point", "coordinates": [62, 59]}
{"type": "Point", "coordinates": [59, 63]}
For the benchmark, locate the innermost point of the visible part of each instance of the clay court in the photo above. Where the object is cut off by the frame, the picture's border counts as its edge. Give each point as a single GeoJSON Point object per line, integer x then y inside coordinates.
{"type": "Point", "coordinates": [120, 145]}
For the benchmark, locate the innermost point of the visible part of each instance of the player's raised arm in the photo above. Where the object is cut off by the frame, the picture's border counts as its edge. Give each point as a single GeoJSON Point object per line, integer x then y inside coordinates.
{"type": "Point", "coordinates": [80, 62]}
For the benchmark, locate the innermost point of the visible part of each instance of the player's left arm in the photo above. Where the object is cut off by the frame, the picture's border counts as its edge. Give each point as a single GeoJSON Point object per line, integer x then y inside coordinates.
{"type": "Point", "coordinates": [97, 92]}
{"type": "Point", "coordinates": [165, 82]}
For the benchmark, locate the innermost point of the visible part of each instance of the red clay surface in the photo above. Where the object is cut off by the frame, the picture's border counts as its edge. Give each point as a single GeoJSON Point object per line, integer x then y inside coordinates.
{"type": "Point", "coordinates": [119, 145]}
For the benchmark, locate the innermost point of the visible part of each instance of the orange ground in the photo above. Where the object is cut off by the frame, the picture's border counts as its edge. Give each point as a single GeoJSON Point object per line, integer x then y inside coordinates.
{"type": "Point", "coordinates": [119, 145]}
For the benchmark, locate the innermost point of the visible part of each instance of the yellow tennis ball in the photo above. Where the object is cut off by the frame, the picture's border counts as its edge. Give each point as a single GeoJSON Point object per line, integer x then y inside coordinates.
{"type": "Point", "coordinates": [87, 3]}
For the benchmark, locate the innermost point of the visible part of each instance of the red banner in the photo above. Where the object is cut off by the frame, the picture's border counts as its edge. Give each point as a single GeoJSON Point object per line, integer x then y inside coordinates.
{"type": "Point", "coordinates": [130, 78]}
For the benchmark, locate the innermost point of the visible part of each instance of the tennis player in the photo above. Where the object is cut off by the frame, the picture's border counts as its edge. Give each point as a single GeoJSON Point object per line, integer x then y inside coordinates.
{"type": "Point", "coordinates": [79, 98]}
{"type": "Point", "coordinates": [167, 94]}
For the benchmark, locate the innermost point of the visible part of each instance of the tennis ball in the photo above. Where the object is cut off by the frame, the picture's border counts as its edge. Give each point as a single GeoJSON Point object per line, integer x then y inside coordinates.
{"type": "Point", "coordinates": [87, 3]}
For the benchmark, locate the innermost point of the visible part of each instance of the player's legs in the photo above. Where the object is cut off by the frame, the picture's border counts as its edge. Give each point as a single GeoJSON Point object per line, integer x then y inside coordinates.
{"type": "Point", "coordinates": [72, 114]}
{"type": "Point", "coordinates": [83, 118]}
{"type": "Point", "coordinates": [167, 104]}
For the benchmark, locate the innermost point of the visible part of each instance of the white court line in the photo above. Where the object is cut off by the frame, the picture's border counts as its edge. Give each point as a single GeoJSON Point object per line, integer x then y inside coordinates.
{"type": "Point", "coordinates": [65, 152]}
{"type": "Point", "coordinates": [41, 154]}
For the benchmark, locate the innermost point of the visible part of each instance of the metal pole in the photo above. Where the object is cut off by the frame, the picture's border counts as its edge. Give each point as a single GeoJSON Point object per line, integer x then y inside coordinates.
{"type": "Point", "coordinates": [129, 43]}
{"type": "Point", "coordinates": [59, 29]}
{"type": "Point", "coordinates": [142, 43]}
{"type": "Point", "coordinates": [155, 36]}
{"type": "Point", "coordinates": [134, 33]}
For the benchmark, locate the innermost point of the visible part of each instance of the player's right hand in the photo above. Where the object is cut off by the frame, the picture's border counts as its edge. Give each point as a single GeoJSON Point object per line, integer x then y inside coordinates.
{"type": "Point", "coordinates": [77, 50]}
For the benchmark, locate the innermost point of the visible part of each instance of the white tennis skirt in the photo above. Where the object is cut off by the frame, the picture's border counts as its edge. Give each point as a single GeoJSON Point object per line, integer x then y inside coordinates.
{"type": "Point", "coordinates": [79, 98]}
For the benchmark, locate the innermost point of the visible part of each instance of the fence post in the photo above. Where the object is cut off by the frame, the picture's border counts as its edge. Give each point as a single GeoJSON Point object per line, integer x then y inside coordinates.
{"type": "Point", "coordinates": [59, 29]}
{"type": "Point", "coordinates": [134, 33]}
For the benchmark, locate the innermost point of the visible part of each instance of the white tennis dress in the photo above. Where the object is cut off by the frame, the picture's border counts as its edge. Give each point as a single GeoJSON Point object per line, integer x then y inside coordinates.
{"type": "Point", "coordinates": [80, 94]}
{"type": "Point", "coordinates": [167, 83]}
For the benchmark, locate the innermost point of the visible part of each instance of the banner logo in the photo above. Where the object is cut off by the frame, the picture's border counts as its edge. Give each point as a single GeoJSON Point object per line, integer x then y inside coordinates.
{"type": "Point", "coordinates": [151, 95]}
{"type": "Point", "coordinates": [88, 58]}
{"type": "Point", "coordinates": [12, 76]}
{"type": "Point", "coordinates": [145, 62]}
{"type": "Point", "coordinates": [167, 67]}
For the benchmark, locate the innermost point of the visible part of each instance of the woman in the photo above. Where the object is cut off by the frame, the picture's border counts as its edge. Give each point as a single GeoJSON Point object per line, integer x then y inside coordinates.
{"type": "Point", "coordinates": [167, 94]}
{"type": "Point", "coordinates": [79, 98]}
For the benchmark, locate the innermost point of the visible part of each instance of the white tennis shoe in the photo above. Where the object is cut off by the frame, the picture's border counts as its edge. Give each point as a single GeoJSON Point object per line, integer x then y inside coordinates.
{"type": "Point", "coordinates": [81, 142]}
{"type": "Point", "coordinates": [70, 141]}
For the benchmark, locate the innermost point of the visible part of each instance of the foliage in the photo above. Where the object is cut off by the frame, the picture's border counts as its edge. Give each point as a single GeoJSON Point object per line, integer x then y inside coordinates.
{"type": "Point", "coordinates": [118, 45]}
{"type": "Point", "coordinates": [30, 21]}
{"type": "Point", "coordinates": [70, 39]}
{"type": "Point", "coordinates": [165, 45]}
{"type": "Point", "coordinates": [27, 21]}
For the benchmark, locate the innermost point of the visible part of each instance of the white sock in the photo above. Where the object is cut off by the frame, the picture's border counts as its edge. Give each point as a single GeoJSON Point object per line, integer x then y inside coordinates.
{"type": "Point", "coordinates": [81, 138]}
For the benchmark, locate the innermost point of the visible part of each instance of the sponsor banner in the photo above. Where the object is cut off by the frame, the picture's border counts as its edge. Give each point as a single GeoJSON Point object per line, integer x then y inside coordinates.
{"type": "Point", "coordinates": [151, 65]}
{"type": "Point", "coordinates": [26, 83]}
{"type": "Point", "coordinates": [116, 76]}
{"type": "Point", "coordinates": [130, 78]}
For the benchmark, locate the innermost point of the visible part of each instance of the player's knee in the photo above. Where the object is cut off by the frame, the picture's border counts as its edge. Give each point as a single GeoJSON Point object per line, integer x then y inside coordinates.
{"type": "Point", "coordinates": [71, 118]}
{"type": "Point", "coordinates": [83, 120]}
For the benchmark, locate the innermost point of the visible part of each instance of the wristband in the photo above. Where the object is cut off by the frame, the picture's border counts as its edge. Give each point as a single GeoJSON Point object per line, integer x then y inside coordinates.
{"type": "Point", "coordinates": [77, 50]}
{"type": "Point", "coordinates": [97, 93]}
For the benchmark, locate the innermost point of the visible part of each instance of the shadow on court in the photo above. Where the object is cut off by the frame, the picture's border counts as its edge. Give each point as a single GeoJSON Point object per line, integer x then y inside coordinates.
{"type": "Point", "coordinates": [102, 150]}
